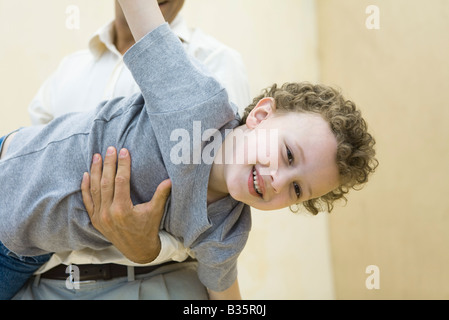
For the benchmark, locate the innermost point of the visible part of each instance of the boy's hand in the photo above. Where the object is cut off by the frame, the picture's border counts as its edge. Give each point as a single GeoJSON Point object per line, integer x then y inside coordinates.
{"type": "Point", "coordinates": [134, 230]}
{"type": "Point", "coordinates": [142, 16]}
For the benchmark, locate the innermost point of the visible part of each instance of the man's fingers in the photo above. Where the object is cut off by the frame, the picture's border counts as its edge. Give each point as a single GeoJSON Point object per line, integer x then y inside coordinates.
{"type": "Point", "coordinates": [87, 197]}
{"type": "Point", "coordinates": [108, 177]}
{"type": "Point", "coordinates": [96, 170]}
{"type": "Point", "coordinates": [122, 194]}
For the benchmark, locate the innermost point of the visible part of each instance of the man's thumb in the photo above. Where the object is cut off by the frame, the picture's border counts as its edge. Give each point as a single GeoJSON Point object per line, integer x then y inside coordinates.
{"type": "Point", "coordinates": [155, 207]}
{"type": "Point", "coordinates": [162, 192]}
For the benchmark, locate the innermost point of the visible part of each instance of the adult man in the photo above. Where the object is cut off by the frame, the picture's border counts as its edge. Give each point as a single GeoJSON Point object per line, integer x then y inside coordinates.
{"type": "Point", "coordinates": [82, 81]}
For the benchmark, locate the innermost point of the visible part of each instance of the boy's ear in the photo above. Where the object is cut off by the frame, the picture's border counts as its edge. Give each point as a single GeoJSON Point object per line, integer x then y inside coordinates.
{"type": "Point", "coordinates": [263, 109]}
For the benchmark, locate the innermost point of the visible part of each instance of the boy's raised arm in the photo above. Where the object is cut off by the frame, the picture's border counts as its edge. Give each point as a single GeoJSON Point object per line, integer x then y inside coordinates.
{"type": "Point", "coordinates": [142, 16]}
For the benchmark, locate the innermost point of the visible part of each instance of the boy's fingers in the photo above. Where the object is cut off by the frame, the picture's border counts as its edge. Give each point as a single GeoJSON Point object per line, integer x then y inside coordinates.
{"type": "Point", "coordinates": [108, 177]}
{"type": "Point", "coordinates": [87, 197]}
{"type": "Point", "coordinates": [122, 193]}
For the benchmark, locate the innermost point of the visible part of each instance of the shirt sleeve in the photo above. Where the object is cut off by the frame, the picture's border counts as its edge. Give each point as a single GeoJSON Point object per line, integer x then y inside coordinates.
{"type": "Point", "coordinates": [218, 251]}
{"type": "Point", "coordinates": [178, 92]}
{"type": "Point", "coordinates": [40, 109]}
{"type": "Point", "coordinates": [168, 78]}
{"type": "Point", "coordinates": [217, 261]}
{"type": "Point", "coordinates": [171, 249]}
{"type": "Point", "coordinates": [228, 68]}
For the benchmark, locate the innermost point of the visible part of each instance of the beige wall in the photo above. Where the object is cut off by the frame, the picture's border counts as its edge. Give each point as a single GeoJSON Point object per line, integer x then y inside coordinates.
{"type": "Point", "coordinates": [34, 40]}
{"type": "Point", "coordinates": [288, 256]}
{"type": "Point", "coordinates": [399, 75]}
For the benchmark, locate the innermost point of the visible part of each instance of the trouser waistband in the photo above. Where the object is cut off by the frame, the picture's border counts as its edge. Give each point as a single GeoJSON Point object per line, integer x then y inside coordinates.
{"type": "Point", "coordinates": [108, 271]}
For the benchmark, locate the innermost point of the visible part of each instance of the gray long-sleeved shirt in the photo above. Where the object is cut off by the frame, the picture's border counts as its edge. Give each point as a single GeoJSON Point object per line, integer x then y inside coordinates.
{"type": "Point", "coordinates": [40, 175]}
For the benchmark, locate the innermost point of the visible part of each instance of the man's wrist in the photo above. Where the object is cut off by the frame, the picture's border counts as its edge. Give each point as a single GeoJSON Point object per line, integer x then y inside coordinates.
{"type": "Point", "coordinates": [147, 254]}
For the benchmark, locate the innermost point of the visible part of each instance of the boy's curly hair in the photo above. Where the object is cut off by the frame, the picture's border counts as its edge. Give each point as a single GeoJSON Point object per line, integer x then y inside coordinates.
{"type": "Point", "coordinates": [355, 146]}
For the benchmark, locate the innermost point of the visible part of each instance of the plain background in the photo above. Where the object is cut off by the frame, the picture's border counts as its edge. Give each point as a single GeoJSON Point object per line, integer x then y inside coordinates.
{"type": "Point", "coordinates": [397, 74]}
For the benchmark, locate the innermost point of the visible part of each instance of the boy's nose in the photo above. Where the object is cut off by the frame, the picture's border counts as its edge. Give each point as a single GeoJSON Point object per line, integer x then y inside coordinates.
{"type": "Point", "coordinates": [279, 180]}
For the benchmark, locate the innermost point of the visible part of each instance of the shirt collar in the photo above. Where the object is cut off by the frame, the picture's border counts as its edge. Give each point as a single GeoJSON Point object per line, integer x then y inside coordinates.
{"type": "Point", "coordinates": [180, 28]}
{"type": "Point", "coordinates": [103, 39]}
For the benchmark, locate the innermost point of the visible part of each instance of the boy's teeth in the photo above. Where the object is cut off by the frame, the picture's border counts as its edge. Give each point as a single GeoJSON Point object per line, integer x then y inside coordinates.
{"type": "Point", "coordinates": [256, 185]}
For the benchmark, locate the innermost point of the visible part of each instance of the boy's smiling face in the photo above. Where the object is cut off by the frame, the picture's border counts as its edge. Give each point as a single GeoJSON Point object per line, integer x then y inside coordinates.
{"type": "Point", "coordinates": [301, 166]}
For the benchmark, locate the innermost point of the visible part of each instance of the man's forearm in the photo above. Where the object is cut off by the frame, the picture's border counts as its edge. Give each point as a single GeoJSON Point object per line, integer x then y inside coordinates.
{"type": "Point", "coordinates": [142, 16]}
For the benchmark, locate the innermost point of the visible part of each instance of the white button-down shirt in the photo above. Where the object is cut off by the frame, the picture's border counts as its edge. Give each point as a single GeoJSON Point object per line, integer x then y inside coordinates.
{"type": "Point", "coordinates": [87, 77]}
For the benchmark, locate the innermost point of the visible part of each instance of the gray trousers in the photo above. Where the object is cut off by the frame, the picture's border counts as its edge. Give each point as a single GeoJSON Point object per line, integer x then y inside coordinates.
{"type": "Point", "coordinates": [172, 282]}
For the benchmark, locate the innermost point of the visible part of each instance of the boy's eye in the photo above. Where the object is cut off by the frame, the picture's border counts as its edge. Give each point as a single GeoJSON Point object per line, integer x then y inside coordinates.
{"type": "Point", "coordinates": [297, 190]}
{"type": "Point", "coordinates": [289, 156]}
{"type": "Point", "coordinates": [295, 185]}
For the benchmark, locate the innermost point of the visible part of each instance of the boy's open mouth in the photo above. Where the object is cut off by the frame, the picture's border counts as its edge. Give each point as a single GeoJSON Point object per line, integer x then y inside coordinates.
{"type": "Point", "coordinates": [256, 183]}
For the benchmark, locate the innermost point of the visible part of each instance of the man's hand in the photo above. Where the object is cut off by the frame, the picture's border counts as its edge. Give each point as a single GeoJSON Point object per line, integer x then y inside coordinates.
{"type": "Point", "coordinates": [134, 230]}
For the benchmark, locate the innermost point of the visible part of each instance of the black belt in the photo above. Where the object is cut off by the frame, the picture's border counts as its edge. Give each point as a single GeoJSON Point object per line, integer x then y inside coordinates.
{"type": "Point", "coordinates": [108, 271]}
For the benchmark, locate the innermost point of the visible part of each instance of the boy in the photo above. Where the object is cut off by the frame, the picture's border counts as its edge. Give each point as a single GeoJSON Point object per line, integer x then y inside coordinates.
{"type": "Point", "coordinates": [319, 148]}
{"type": "Point", "coordinates": [81, 82]}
